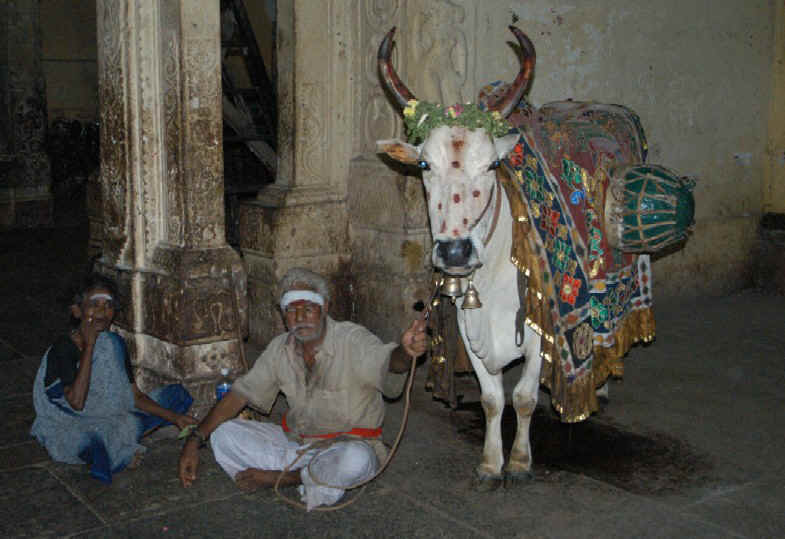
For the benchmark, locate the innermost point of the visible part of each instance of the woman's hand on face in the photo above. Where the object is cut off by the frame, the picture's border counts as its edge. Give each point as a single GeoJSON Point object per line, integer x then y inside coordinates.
{"type": "Point", "coordinates": [183, 421]}
{"type": "Point", "coordinates": [89, 331]}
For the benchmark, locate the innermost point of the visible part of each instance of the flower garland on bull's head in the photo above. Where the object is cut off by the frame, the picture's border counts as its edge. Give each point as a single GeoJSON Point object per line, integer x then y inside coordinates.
{"type": "Point", "coordinates": [420, 117]}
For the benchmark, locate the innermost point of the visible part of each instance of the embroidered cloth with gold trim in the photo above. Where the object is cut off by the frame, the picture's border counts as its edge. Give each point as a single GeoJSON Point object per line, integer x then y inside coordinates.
{"type": "Point", "coordinates": [589, 301]}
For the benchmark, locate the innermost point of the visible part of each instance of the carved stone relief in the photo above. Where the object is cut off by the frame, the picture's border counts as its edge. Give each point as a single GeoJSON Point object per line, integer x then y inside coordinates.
{"type": "Point", "coordinates": [376, 118]}
{"type": "Point", "coordinates": [311, 133]}
{"type": "Point", "coordinates": [145, 100]}
{"type": "Point", "coordinates": [203, 142]}
{"type": "Point", "coordinates": [173, 196]}
{"type": "Point", "coordinates": [441, 38]}
{"type": "Point", "coordinates": [114, 147]}
{"type": "Point", "coordinates": [187, 309]}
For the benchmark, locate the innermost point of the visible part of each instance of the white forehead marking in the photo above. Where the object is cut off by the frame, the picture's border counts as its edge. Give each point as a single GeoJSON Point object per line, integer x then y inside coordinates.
{"type": "Point", "coordinates": [475, 152]}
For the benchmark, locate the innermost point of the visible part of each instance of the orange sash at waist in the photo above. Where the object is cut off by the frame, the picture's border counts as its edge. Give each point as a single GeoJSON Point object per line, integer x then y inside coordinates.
{"type": "Point", "coordinates": [357, 431]}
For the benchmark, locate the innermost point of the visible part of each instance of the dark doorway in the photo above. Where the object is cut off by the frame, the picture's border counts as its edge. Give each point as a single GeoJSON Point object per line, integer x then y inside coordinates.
{"type": "Point", "coordinates": [248, 74]}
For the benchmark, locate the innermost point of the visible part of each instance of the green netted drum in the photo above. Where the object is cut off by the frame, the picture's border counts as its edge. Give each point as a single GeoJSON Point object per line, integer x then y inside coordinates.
{"type": "Point", "coordinates": [648, 207]}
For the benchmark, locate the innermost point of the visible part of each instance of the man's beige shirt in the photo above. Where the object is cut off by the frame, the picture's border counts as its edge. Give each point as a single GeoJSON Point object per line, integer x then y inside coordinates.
{"type": "Point", "coordinates": [342, 391]}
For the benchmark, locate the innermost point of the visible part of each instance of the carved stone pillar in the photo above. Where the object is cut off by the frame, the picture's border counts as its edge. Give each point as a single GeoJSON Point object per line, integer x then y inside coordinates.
{"type": "Point", "coordinates": [301, 219]}
{"type": "Point", "coordinates": [183, 288]}
{"type": "Point", "coordinates": [336, 207]}
{"type": "Point", "coordinates": [25, 179]}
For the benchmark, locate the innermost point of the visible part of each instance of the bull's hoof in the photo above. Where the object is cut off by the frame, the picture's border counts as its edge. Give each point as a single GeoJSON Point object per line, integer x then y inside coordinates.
{"type": "Point", "coordinates": [603, 394]}
{"type": "Point", "coordinates": [482, 482]}
{"type": "Point", "coordinates": [516, 479]}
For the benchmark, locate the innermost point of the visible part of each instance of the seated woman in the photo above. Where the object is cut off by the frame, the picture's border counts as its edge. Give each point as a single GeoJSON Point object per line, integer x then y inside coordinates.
{"type": "Point", "coordinates": [88, 407]}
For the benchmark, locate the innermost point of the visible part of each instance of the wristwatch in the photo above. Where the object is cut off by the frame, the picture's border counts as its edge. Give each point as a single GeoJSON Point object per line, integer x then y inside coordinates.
{"type": "Point", "coordinates": [195, 433]}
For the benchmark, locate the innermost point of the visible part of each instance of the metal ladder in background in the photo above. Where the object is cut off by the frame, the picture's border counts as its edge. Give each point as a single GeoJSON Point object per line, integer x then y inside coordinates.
{"type": "Point", "coordinates": [249, 111]}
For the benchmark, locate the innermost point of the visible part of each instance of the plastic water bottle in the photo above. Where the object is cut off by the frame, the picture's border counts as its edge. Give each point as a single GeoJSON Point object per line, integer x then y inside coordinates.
{"type": "Point", "coordinates": [223, 385]}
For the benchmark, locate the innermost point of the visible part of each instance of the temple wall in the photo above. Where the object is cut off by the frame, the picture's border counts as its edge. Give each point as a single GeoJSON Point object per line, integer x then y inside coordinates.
{"type": "Point", "coordinates": [700, 75]}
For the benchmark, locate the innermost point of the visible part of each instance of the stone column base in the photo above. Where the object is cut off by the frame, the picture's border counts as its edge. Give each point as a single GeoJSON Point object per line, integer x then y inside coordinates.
{"type": "Point", "coordinates": [186, 321]}
{"type": "Point", "coordinates": [195, 366]}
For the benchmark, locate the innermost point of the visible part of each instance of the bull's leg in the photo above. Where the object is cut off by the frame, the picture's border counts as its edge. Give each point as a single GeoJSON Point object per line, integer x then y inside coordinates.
{"type": "Point", "coordinates": [603, 393]}
{"type": "Point", "coordinates": [489, 472]}
{"type": "Point", "coordinates": [524, 400]}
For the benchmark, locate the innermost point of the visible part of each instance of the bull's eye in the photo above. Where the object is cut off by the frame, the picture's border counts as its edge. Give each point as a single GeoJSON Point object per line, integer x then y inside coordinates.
{"type": "Point", "coordinates": [423, 164]}
{"type": "Point", "coordinates": [494, 165]}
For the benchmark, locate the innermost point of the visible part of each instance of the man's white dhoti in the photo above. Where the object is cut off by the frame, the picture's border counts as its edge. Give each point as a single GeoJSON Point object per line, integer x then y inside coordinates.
{"type": "Point", "coordinates": [240, 444]}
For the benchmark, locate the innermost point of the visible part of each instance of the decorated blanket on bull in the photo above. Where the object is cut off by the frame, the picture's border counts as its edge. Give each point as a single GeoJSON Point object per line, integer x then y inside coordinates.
{"type": "Point", "coordinates": [589, 301]}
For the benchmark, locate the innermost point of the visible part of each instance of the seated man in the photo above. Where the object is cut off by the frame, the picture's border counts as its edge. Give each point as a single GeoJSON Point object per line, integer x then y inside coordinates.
{"type": "Point", "coordinates": [333, 375]}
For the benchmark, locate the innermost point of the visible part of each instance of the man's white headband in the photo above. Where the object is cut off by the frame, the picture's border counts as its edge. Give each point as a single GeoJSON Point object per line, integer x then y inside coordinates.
{"type": "Point", "coordinates": [101, 295]}
{"type": "Point", "coordinates": [297, 295]}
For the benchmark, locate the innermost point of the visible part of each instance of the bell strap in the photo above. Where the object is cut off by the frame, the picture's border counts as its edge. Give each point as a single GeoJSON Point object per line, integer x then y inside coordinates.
{"type": "Point", "coordinates": [496, 211]}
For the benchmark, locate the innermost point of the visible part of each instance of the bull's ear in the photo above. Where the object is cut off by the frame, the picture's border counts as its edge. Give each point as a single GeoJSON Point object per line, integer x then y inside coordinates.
{"type": "Point", "coordinates": [400, 151]}
{"type": "Point", "coordinates": [505, 144]}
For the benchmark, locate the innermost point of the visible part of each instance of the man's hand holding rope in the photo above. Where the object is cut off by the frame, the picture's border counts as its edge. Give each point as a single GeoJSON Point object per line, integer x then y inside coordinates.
{"type": "Point", "coordinates": [414, 343]}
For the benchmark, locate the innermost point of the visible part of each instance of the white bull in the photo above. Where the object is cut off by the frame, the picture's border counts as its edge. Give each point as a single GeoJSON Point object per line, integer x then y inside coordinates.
{"type": "Point", "coordinates": [471, 223]}
{"type": "Point", "coordinates": [554, 210]}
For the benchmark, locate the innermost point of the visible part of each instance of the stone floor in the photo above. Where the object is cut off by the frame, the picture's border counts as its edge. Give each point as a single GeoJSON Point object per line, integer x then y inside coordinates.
{"type": "Point", "coordinates": [690, 445]}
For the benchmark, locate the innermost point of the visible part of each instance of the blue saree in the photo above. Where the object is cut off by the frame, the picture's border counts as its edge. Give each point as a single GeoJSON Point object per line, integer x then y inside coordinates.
{"type": "Point", "coordinates": [105, 434]}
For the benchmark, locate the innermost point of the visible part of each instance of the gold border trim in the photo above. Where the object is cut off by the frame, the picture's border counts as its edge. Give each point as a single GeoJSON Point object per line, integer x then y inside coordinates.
{"type": "Point", "coordinates": [577, 400]}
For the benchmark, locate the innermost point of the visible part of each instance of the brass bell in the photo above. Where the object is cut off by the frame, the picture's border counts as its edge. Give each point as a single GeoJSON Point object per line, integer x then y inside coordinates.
{"type": "Point", "coordinates": [452, 286]}
{"type": "Point", "coordinates": [471, 299]}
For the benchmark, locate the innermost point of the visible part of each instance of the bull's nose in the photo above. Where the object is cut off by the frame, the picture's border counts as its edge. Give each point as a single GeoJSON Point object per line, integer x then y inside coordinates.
{"type": "Point", "coordinates": [454, 253]}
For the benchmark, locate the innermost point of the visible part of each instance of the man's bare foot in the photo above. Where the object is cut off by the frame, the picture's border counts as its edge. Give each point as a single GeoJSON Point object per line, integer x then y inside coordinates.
{"type": "Point", "coordinates": [253, 478]}
{"type": "Point", "coordinates": [136, 460]}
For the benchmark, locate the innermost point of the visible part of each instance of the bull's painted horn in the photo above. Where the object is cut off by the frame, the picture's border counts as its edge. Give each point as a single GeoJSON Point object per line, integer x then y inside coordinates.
{"type": "Point", "coordinates": [397, 88]}
{"type": "Point", "coordinates": [521, 82]}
